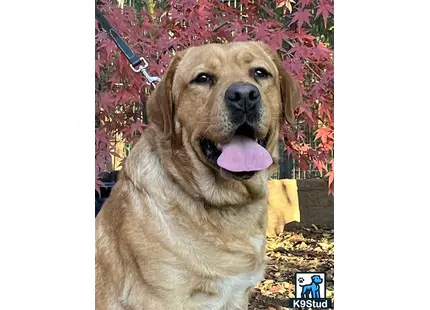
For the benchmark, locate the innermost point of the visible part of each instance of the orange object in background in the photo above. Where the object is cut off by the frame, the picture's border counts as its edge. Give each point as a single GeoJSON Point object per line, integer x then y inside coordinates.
{"type": "Point", "coordinates": [283, 203]}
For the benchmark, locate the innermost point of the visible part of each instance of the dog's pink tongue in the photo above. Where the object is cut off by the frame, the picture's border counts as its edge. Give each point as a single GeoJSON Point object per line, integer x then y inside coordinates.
{"type": "Point", "coordinates": [244, 154]}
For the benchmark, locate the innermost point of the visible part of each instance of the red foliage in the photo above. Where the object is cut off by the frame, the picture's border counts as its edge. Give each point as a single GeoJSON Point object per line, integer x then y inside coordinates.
{"type": "Point", "coordinates": [189, 22]}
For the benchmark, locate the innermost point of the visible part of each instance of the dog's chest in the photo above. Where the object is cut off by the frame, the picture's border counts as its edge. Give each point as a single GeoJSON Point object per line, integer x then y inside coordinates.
{"type": "Point", "coordinates": [232, 292]}
{"type": "Point", "coordinates": [242, 282]}
{"type": "Point", "coordinates": [238, 285]}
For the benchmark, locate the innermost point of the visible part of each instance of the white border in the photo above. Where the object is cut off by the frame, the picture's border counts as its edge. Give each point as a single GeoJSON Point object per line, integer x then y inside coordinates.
{"type": "Point", "coordinates": [381, 170]}
{"type": "Point", "coordinates": [47, 155]}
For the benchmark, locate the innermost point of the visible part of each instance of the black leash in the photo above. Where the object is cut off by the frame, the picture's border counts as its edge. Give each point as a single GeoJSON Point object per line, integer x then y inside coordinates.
{"type": "Point", "coordinates": [137, 64]}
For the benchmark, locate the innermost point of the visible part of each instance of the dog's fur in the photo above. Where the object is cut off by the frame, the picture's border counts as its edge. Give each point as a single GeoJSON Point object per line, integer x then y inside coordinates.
{"type": "Point", "coordinates": [175, 233]}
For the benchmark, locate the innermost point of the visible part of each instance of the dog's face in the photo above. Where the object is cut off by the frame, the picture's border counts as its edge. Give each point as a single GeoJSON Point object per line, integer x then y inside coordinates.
{"type": "Point", "coordinates": [227, 103]}
{"type": "Point", "coordinates": [316, 279]}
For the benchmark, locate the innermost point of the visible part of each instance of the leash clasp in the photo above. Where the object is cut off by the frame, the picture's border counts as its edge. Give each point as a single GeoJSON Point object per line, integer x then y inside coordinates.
{"type": "Point", "coordinates": [150, 80]}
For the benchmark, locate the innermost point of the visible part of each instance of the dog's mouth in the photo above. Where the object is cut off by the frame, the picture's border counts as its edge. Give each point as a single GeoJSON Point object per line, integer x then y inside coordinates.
{"type": "Point", "coordinates": [240, 158]}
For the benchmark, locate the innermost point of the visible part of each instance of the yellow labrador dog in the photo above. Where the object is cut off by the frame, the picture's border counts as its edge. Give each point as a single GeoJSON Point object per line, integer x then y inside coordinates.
{"type": "Point", "coordinates": [184, 227]}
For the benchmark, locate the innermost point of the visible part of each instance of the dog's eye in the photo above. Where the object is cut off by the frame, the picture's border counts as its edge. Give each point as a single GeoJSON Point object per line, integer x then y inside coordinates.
{"type": "Point", "coordinates": [203, 78]}
{"type": "Point", "coordinates": [260, 73]}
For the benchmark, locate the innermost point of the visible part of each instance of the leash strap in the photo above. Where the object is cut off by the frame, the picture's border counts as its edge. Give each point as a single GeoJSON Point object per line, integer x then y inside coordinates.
{"type": "Point", "coordinates": [137, 64]}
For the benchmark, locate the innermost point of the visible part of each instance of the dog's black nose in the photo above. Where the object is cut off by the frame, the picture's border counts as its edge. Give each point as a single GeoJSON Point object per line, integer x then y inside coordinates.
{"type": "Point", "coordinates": [242, 99]}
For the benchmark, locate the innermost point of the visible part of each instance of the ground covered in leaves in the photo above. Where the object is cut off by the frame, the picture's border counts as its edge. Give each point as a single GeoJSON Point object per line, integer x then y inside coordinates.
{"type": "Point", "coordinates": [298, 249]}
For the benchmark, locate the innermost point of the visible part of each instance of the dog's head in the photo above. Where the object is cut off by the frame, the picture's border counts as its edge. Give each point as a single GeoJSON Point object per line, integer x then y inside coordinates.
{"type": "Point", "coordinates": [224, 104]}
{"type": "Point", "coordinates": [316, 279]}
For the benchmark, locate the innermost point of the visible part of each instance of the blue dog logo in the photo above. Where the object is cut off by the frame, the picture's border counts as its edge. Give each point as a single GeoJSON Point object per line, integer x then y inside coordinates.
{"type": "Point", "coordinates": [311, 295]}
{"type": "Point", "coordinates": [313, 288]}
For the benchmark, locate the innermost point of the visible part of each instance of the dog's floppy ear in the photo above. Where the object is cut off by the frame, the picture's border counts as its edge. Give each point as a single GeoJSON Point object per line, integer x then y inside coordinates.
{"type": "Point", "coordinates": [160, 106]}
{"type": "Point", "coordinates": [290, 92]}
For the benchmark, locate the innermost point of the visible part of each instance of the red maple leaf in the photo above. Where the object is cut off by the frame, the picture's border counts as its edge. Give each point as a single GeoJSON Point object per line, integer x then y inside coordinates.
{"type": "Point", "coordinates": [303, 34]}
{"type": "Point", "coordinates": [325, 8]}
{"type": "Point", "coordinates": [101, 137]}
{"type": "Point", "coordinates": [322, 133]}
{"type": "Point", "coordinates": [261, 33]}
{"type": "Point", "coordinates": [303, 163]}
{"type": "Point", "coordinates": [275, 39]}
{"type": "Point", "coordinates": [306, 111]}
{"type": "Point", "coordinates": [127, 94]}
{"type": "Point", "coordinates": [177, 15]}
{"type": "Point", "coordinates": [300, 135]}
{"type": "Point", "coordinates": [128, 131]}
{"type": "Point", "coordinates": [301, 17]}
{"type": "Point", "coordinates": [131, 130]}
{"type": "Point", "coordinates": [321, 52]}
{"type": "Point", "coordinates": [294, 65]}
{"type": "Point", "coordinates": [98, 64]}
{"type": "Point", "coordinates": [320, 165]}
{"type": "Point", "coordinates": [100, 37]}
{"type": "Point", "coordinates": [330, 176]}
{"type": "Point", "coordinates": [146, 25]}
{"type": "Point", "coordinates": [241, 37]}
{"type": "Point", "coordinates": [301, 51]}
{"type": "Point", "coordinates": [140, 127]}
{"type": "Point", "coordinates": [304, 3]}
{"type": "Point", "coordinates": [107, 101]}
{"type": "Point", "coordinates": [236, 26]}
{"type": "Point", "coordinates": [202, 11]}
